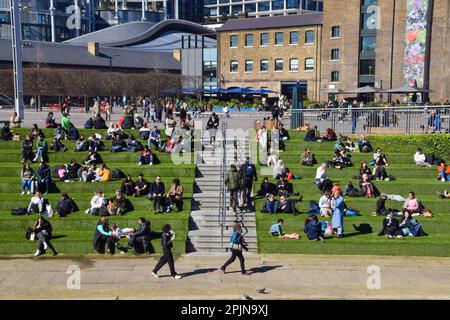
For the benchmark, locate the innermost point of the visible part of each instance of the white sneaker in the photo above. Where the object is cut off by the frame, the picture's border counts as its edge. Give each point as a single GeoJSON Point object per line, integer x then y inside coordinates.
{"type": "Point", "coordinates": [38, 253]}
{"type": "Point", "coordinates": [151, 163]}
{"type": "Point", "coordinates": [140, 164]}
{"type": "Point", "coordinates": [155, 275]}
{"type": "Point", "coordinates": [28, 192]}
{"type": "Point", "coordinates": [443, 179]}
{"type": "Point", "coordinates": [87, 211]}
{"type": "Point", "coordinates": [45, 245]}
{"type": "Point", "coordinates": [35, 159]}
{"type": "Point", "coordinates": [23, 192]}
{"type": "Point", "coordinates": [177, 277]}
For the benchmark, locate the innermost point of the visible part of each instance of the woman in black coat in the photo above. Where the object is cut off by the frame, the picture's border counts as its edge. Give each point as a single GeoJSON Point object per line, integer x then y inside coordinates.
{"type": "Point", "coordinates": [391, 227]}
{"type": "Point", "coordinates": [43, 232]}
{"type": "Point", "coordinates": [166, 242]}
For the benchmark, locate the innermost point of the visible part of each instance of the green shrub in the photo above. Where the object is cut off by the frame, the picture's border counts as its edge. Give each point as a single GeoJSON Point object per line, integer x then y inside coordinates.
{"type": "Point", "coordinates": [438, 144]}
{"type": "Point", "coordinates": [214, 102]}
{"type": "Point", "coordinates": [234, 103]}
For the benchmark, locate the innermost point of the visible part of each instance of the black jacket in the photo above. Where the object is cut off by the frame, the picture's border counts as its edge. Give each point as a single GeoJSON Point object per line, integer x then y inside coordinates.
{"type": "Point", "coordinates": [144, 230]}
{"type": "Point", "coordinates": [267, 188]}
{"type": "Point", "coordinates": [313, 230]}
{"type": "Point", "coordinates": [157, 188]}
{"type": "Point", "coordinates": [64, 207]}
{"type": "Point", "coordinates": [166, 241]}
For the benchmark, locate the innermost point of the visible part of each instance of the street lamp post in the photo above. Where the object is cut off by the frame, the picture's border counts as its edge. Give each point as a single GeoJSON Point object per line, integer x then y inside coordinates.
{"type": "Point", "coordinates": [17, 58]}
{"type": "Point", "coordinates": [52, 19]}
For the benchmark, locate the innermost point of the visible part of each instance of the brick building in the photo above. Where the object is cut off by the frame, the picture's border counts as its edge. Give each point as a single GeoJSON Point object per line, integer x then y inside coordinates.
{"type": "Point", "coordinates": [271, 53]}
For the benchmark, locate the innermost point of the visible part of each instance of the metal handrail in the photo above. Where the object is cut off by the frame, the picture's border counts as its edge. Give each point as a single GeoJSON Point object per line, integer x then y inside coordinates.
{"type": "Point", "coordinates": [223, 190]}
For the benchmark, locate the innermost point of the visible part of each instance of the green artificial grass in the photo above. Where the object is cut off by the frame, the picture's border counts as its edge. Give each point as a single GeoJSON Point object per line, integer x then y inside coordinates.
{"type": "Point", "coordinates": [409, 177]}
{"type": "Point", "coordinates": [74, 233]}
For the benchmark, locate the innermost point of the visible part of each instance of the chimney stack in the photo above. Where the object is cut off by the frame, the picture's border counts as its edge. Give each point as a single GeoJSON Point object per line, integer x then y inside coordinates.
{"type": "Point", "coordinates": [93, 48]}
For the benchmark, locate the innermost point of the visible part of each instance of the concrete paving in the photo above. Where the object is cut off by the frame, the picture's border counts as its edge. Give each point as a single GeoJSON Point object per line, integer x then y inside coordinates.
{"type": "Point", "coordinates": [283, 276]}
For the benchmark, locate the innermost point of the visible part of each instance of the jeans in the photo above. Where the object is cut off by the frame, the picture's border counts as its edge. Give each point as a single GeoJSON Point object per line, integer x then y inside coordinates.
{"type": "Point", "coordinates": [444, 175]}
{"type": "Point", "coordinates": [156, 142]}
{"type": "Point", "coordinates": [145, 160]}
{"type": "Point", "coordinates": [130, 149]}
{"type": "Point", "coordinates": [40, 152]}
{"type": "Point", "coordinates": [272, 207]}
{"type": "Point", "coordinates": [26, 184]}
{"type": "Point", "coordinates": [44, 238]}
{"type": "Point", "coordinates": [116, 148]}
{"type": "Point", "coordinates": [234, 203]}
{"type": "Point", "coordinates": [46, 182]}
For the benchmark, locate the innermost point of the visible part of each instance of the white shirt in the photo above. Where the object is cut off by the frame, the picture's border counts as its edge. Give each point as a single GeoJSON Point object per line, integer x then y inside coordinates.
{"type": "Point", "coordinates": [37, 200]}
{"type": "Point", "coordinates": [419, 157]}
{"type": "Point", "coordinates": [321, 174]}
{"type": "Point", "coordinates": [324, 202]}
{"type": "Point", "coordinates": [97, 201]}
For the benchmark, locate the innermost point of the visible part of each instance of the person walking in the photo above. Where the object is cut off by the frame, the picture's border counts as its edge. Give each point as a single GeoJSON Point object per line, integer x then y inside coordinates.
{"type": "Point", "coordinates": [212, 126]}
{"type": "Point", "coordinates": [248, 175]}
{"type": "Point", "coordinates": [232, 181]}
{"type": "Point", "coordinates": [167, 238]}
{"type": "Point", "coordinates": [237, 243]}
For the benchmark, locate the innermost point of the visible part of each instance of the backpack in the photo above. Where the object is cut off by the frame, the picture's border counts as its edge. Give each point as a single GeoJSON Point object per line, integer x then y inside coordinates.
{"type": "Point", "coordinates": [249, 171]}
{"type": "Point", "coordinates": [19, 211]}
{"type": "Point", "coordinates": [73, 134]}
{"type": "Point", "coordinates": [117, 174]}
{"type": "Point", "coordinates": [314, 206]}
{"type": "Point", "coordinates": [89, 124]}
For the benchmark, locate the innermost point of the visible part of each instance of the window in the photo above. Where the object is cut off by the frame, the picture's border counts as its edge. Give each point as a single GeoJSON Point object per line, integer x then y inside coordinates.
{"type": "Point", "coordinates": [336, 32]}
{"type": "Point", "coordinates": [309, 37]}
{"type": "Point", "coordinates": [293, 37]}
{"type": "Point", "coordinates": [249, 40]}
{"type": "Point", "coordinates": [369, 2]}
{"type": "Point", "coordinates": [278, 64]}
{"type": "Point", "coordinates": [279, 38]}
{"type": "Point", "coordinates": [251, 7]}
{"type": "Point", "coordinates": [367, 67]}
{"type": "Point", "coordinates": [293, 4]}
{"type": "Point", "coordinates": [236, 9]}
{"type": "Point", "coordinates": [368, 44]}
{"type": "Point", "coordinates": [264, 39]}
{"type": "Point", "coordinates": [248, 65]}
{"type": "Point", "coordinates": [293, 64]}
{"type": "Point", "coordinates": [312, 5]}
{"type": "Point", "coordinates": [309, 64]}
{"type": "Point", "coordinates": [335, 76]}
{"type": "Point", "coordinates": [234, 66]}
{"type": "Point", "coordinates": [278, 5]}
{"type": "Point", "coordinates": [264, 65]}
{"type": "Point", "coordinates": [335, 54]}
{"type": "Point", "coordinates": [233, 41]}
{"type": "Point", "coordinates": [264, 6]}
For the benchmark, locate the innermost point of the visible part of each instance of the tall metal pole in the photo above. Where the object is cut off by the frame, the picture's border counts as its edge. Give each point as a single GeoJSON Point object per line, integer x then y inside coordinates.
{"type": "Point", "coordinates": [165, 9]}
{"type": "Point", "coordinates": [144, 5]}
{"type": "Point", "coordinates": [17, 58]}
{"type": "Point", "coordinates": [77, 21]}
{"type": "Point", "coordinates": [176, 9]}
{"type": "Point", "coordinates": [52, 19]}
{"type": "Point", "coordinates": [116, 12]}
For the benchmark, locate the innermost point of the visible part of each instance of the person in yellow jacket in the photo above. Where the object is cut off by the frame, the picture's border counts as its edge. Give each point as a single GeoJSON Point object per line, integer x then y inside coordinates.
{"type": "Point", "coordinates": [104, 174]}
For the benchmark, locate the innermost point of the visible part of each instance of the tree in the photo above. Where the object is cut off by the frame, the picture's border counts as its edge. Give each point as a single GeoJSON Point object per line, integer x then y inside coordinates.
{"type": "Point", "coordinates": [34, 80]}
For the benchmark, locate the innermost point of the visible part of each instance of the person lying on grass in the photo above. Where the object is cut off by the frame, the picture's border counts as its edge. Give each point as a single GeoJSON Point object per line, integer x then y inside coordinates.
{"type": "Point", "coordinates": [276, 231]}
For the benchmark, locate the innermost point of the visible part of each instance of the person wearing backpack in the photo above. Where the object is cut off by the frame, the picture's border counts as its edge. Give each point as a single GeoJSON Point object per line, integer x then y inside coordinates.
{"type": "Point", "coordinates": [248, 175]}
{"type": "Point", "coordinates": [233, 183]}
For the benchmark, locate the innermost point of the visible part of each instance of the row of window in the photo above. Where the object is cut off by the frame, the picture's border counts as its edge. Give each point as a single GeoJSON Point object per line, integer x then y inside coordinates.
{"type": "Point", "coordinates": [278, 66]}
{"type": "Point", "coordinates": [264, 39]}
{"type": "Point", "coordinates": [263, 6]}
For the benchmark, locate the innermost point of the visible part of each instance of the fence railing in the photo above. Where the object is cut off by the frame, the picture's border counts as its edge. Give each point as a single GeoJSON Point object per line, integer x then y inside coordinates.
{"type": "Point", "coordinates": [395, 120]}
{"type": "Point", "coordinates": [223, 190]}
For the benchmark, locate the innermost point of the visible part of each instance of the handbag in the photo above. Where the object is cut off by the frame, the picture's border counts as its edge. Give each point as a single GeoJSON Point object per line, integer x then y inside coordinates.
{"type": "Point", "coordinates": [32, 236]}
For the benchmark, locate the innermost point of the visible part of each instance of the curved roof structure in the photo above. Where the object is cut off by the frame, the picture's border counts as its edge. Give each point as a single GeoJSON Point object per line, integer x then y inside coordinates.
{"type": "Point", "coordinates": [164, 35]}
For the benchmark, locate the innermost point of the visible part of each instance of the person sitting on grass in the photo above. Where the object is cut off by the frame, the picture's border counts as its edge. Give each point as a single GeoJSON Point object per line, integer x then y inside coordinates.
{"type": "Point", "coordinates": [27, 149]}
{"type": "Point", "coordinates": [36, 132]}
{"type": "Point", "coordinates": [57, 145]}
{"type": "Point", "coordinates": [340, 160]}
{"type": "Point", "coordinates": [102, 237]}
{"type": "Point", "coordinates": [287, 206]}
{"type": "Point", "coordinates": [62, 172]}
{"type": "Point", "coordinates": [284, 187]}
{"type": "Point", "coordinates": [72, 171]}
{"type": "Point", "coordinates": [272, 158]}
{"type": "Point", "coordinates": [89, 174]}
{"type": "Point", "coordinates": [65, 205]}
{"type": "Point", "coordinates": [146, 156]}
{"type": "Point", "coordinates": [313, 228]}
{"type": "Point", "coordinates": [95, 143]}
{"type": "Point", "coordinates": [175, 195]}
{"type": "Point", "coordinates": [363, 169]}
{"type": "Point", "coordinates": [141, 237]}
{"type": "Point", "coordinates": [144, 132]}
{"type": "Point", "coordinates": [104, 174]}
{"type": "Point", "coordinates": [156, 193]}
{"type": "Point", "coordinates": [27, 174]}
{"type": "Point", "coordinates": [60, 132]}
{"type": "Point", "coordinates": [98, 204]}
{"type": "Point", "coordinates": [330, 135]}
{"type": "Point", "coordinates": [391, 227]}
{"type": "Point", "coordinates": [44, 177]}
{"type": "Point", "coordinates": [81, 145]}
{"type": "Point", "coordinates": [128, 186]}
{"type": "Point", "coordinates": [118, 205]}
{"type": "Point", "coordinates": [36, 204]}
{"type": "Point", "coordinates": [169, 145]}
{"type": "Point", "coordinates": [279, 170]}
{"type": "Point", "coordinates": [412, 204]}
{"type": "Point", "coordinates": [266, 188]}
{"type": "Point", "coordinates": [271, 206]}
{"type": "Point", "coordinates": [155, 139]}
{"type": "Point", "coordinates": [132, 145]}
{"type": "Point", "coordinates": [311, 134]}
{"type": "Point", "coordinates": [367, 189]}
{"type": "Point", "coordinates": [43, 231]}
{"type": "Point", "coordinates": [41, 149]}
{"type": "Point", "coordinates": [6, 134]}
{"type": "Point", "coordinates": [141, 187]}
{"type": "Point", "coordinates": [379, 158]}
{"type": "Point", "coordinates": [364, 145]}
{"type": "Point", "coordinates": [411, 227]}
{"type": "Point", "coordinates": [325, 205]}
{"type": "Point", "coordinates": [321, 180]}
{"type": "Point", "coordinates": [50, 121]}
{"type": "Point", "coordinates": [379, 173]}
{"type": "Point", "coordinates": [308, 159]}
{"type": "Point", "coordinates": [444, 172]}
{"type": "Point", "coordinates": [117, 144]}
{"type": "Point", "coordinates": [113, 130]}
{"type": "Point", "coordinates": [349, 145]}
{"type": "Point", "coordinates": [275, 230]}
{"type": "Point", "coordinates": [93, 157]}
{"type": "Point", "coordinates": [420, 159]}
